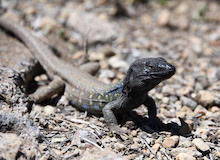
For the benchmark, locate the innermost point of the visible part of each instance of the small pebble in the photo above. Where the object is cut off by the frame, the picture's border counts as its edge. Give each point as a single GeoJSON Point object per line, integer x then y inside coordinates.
{"type": "Point", "coordinates": [171, 142]}
{"type": "Point", "coordinates": [134, 133]}
{"type": "Point", "coordinates": [130, 156]}
{"type": "Point", "coordinates": [30, 10]}
{"type": "Point", "coordinates": [135, 146]}
{"type": "Point", "coordinates": [96, 56]}
{"type": "Point", "coordinates": [117, 62]}
{"type": "Point", "coordinates": [97, 154]}
{"type": "Point", "coordinates": [168, 90]}
{"type": "Point", "coordinates": [48, 110]}
{"type": "Point", "coordinates": [119, 146]}
{"type": "Point", "coordinates": [201, 145]}
{"type": "Point", "coordinates": [163, 19]}
{"type": "Point", "coordinates": [184, 156]}
{"type": "Point", "coordinates": [175, 151]}
{"type": "Point", "coordinates": [217, 154]}
{"type": "Point", "coordinates": [205, 98]}
{"type": "Point", "coordinates": [203, 132]}
{"type": "Point", "coordinates": [48, 22]}
{"type": "Point", "coordinates": [215, 109]}
{"type": "Point", "coordinates": [165, 100]}
{"type": "Point", "coordinates": [156, 147]}
{"type": "Point", "coordinates": [58, 139]}
{"type": "Point", "coordinates": [200, 110]}
{"type": "Point", "coordinates": [188, 102]}
{"type": "Point", "coordinates": [183, 91]}
{"type": "Point", "coordinates": [105, 73]}
{"type": "Point", "coordinates": [10, 145]}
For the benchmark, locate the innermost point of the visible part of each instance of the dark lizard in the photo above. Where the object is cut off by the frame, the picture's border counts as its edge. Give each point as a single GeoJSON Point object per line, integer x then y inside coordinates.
{"type": "Point", "coordinates": [87, 93]}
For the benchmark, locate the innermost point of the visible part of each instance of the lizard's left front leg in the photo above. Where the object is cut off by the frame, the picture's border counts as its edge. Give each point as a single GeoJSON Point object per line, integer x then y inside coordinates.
{"type": "Point", "coordinates": [109, 115]}
{"type": "Point", "coordinates": [152, 109]}
{"type": "Point", "coordinates": [154, 122]}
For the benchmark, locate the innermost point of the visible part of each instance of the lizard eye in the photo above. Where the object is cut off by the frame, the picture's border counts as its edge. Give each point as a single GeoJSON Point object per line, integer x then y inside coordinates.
{"type": "Point", "coordinates": [151, 67]}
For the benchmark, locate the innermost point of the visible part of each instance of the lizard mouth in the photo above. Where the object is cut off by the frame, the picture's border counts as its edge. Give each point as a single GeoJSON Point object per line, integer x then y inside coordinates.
{"type": "Point", "coordinates": [162, 74]}
{"type": "Point", "coordinates": [167, 73]}
{"type": "Point", "coordinates": [157, 75]}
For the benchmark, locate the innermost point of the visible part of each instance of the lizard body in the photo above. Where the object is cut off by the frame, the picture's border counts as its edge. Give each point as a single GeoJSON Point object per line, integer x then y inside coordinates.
{"type": "Point", "coordinates": [87, 93]}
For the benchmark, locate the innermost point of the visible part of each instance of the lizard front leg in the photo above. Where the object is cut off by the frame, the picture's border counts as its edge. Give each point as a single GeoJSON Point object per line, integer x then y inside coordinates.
{"type": "Point", "coordinates": [109, 115]}
{"type": "Point", "coordinates": [154, 122]}
{"type": "Point", "coordinates": [151, 106]}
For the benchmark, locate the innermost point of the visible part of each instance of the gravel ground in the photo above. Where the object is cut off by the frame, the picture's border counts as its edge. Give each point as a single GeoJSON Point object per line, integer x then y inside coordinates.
{"type": "Point", "coordinates": [186, 33]}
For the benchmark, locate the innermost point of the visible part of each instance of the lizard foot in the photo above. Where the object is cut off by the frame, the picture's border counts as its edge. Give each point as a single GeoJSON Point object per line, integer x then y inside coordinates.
{"type": "Point", "coordinates": [155, 124]}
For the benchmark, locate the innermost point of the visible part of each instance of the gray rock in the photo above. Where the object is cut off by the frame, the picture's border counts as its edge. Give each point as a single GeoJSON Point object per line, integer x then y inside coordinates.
{"type": "Point", "coordinates": [117, 62]}
{"type": "Point", "coordinates": [205, 98]}
{"type": "Point", "coordinates": [188, 102]}
{"type": "Point", "coordinates": [175, 151]}
{"type": "Point", "coordinates": [11, 90]}
{"type": "Point", "coordinates": [96, 28]}
{"type": "Point", "coordinates": [106, 74]}
{"type": "Point", "coordinates": [96, 154]}
{"type": "Point", "coordinates": [170, 142]}
{"type": "Point", "coordinates": [164, 17]}
{"type": "Point", "coordinates": [9, 146]}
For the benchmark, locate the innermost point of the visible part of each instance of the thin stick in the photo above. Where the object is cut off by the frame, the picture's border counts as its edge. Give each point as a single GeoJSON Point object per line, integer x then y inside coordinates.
{"type": "Point", "coordinates": [73, 120]}
{"type": "Point", "coordinates": [151, 150]}
{"type": "Point", "coordinates": [87, 140]}
{"type": "Point", "coordinates": [164, 152]}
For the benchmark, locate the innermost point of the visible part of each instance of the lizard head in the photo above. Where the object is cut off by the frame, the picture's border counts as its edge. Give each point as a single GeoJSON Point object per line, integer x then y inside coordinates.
{"type": "Point", "coordinates": [144, 74]}
{"type": "Point", "coordinates": [157, 69]}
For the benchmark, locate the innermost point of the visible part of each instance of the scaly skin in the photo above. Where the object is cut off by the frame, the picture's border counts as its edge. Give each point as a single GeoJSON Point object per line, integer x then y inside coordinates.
{"type": "Point", "coordinates": [87, 93]}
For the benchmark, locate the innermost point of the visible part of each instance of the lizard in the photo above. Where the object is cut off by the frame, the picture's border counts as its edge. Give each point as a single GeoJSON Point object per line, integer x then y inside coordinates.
{"type": "Point", "coordinates": [85, 92]}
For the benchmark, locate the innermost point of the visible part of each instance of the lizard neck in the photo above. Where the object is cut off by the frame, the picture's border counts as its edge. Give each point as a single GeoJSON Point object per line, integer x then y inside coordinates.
{"type": "Point", "coordinates": [115, 89]}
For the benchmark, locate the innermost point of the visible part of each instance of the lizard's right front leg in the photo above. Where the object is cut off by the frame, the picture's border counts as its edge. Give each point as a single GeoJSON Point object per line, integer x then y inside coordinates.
{"type": "Point", "coordinates": [109, 116]}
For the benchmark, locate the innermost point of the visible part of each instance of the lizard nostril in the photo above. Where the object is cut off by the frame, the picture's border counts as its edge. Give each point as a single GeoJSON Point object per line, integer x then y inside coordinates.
{"type": "Point", "coordinates": [169, 67]}
{"type": "Point", "coordinates": [172, 68]}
